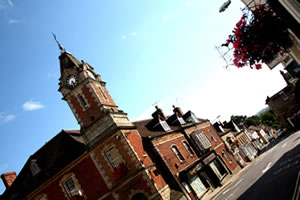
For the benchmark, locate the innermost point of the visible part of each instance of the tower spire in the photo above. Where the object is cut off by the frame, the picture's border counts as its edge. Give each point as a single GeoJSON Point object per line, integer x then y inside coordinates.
{"type": "Point", "coordinates": [61, 48]}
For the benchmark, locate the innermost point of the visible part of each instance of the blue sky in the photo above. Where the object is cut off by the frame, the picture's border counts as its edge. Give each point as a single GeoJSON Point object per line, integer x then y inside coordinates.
{"type": "Point", "coordinates": [147, 52]}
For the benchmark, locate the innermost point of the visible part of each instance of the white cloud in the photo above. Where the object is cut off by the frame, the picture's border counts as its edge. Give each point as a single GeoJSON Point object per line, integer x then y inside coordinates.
{"type": "Point", "coordinates": [133, 33]}
{"type": "Point", "coordinates": [10, 3]}
{"type": "Point", "coordinates": [32, 105]}
{"type": "Point", "coordinates": [165, 17]}
{"type": "Point", "coordinates": [123, 37]}
{"type": "Point", "coordinates": [13, 21]}
{"type": "Point", "coordinates": [4, 118]}
{"type": "Point", "coordinates": [9, 118]}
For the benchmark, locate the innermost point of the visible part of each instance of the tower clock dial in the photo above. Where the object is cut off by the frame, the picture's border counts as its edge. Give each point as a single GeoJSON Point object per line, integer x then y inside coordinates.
{"type": "Point", "coordinates": [72, 81]}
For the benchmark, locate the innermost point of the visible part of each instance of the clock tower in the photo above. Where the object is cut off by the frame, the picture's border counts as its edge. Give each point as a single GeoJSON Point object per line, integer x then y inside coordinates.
{"type": "Point", "coordinates": [85, 92]}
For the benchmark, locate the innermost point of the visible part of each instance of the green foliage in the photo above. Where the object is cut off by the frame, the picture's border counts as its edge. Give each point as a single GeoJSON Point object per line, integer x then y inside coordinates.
{"type": "Point", "coordinates": [238, 119]}
{"type": "Point", "coordinates": [253, 120]}
{"type": "Point", "coordinates": [267, 118]}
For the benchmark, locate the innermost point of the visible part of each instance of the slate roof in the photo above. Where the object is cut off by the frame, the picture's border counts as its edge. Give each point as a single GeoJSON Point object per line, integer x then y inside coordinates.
{"type": "Point", "coordinates": [56, 154]}
{"type": "Point", "coordinates": [145, 127]}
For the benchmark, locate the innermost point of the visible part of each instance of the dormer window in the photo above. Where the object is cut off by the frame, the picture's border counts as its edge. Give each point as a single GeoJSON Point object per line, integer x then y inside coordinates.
{"type": "Point", "coordinates": [165, 125]}
{"type": "Point", "coordinates": [181, 121]}
{"type": "Point", "coordinates": [34, 168]}
{"type": "Point", "coordinates": [192, 118]}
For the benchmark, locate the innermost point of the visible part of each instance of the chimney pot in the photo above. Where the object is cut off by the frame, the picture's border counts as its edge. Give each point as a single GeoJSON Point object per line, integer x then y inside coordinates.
{"type": "Point", "coordinates": [8, 178]}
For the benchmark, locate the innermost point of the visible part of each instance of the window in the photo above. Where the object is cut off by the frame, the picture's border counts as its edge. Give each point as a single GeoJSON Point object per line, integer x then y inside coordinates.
{"type": "Point", "coordinates": [165, 125]}
{"type": "Point", "coordinates": [283, 96]}
{"type": "Point", "coordinates": [101, 91]}
{"type": "Point", "coordinates": [188, 148]}
{"type": "Point", "coordinates": [113, 156]}
{"type": "Point", "coordinates": [226, 156]}
{"type": "Point", "coordinates": [82, 101]}
{"type": "Point", "coordinates": [178, 154]}
{"type": "Point", "coordinates": [181, 121]}
{"type": "Point", "coordinates": [201, 140]}
{"type": "Point", "coordinates": [70, 187]}
{"type": "Point", "coordinates": [34, 168]}
{"type": "Point", "coordinates": [193, 118]}
{"type": "Point", "coordinates": [212, 135]}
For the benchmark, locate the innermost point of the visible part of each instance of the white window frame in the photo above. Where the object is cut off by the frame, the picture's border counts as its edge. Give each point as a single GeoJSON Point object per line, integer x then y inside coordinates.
{"type": "Point", "coordinates": [201, 140]}
{"type": "Point", "coordinates": [75, 190]}
{"type": "Point", "coordinates": [225, 154]}
{"type": "Point", "coordinates": [114, 162]}
{"type": "Point", "coordinates": [212, 135]}
{"type": "Point", "coordinates": [165, 125]}
{"type": "Point", "coordinates": [177, 153]}
{"type": "Point", "coordinates": [283, 96]}
{"type": "Point", "coordinates": [188, 148]}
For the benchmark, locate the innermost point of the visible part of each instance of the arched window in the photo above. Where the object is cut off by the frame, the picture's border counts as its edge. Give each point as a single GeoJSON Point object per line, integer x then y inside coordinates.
{"type": "Point", "coordinates": [188, 148]}
{"type": "Point", "coordinates": [178, 154]}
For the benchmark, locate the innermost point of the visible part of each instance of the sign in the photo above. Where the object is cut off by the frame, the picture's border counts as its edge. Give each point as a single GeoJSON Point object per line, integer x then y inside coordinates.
{"type": "Point", "coordinates": [209, 158]}
{"type": "Point", "coordinates": [195, 169]}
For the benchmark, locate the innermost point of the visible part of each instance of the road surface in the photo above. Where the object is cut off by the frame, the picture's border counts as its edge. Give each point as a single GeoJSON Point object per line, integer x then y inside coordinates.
{"type": "Point", "coordinates": [273, 175]}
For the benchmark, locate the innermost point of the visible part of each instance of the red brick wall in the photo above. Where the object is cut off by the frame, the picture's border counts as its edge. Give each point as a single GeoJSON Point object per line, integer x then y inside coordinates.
{"type": "Point", "coordinates": [88, 178]}
{"type": "Point", "coordinates": [164, 145]}
{"type": "Point", "coordinates": [139, 184]}
{"type": "Point", "coordinates": [124, 152]}
{"type": "Point", "coordinates": [136, 143]}
{"type": "Point", "coordinates": [233, 165]}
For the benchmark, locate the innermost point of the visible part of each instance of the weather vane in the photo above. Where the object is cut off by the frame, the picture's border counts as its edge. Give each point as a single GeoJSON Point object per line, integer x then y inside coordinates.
{"type": "Point", "coordinates": [61, 48]}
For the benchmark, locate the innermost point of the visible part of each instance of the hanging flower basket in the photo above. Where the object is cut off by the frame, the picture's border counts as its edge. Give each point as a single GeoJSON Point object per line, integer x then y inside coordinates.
{"type": "Point", "coordinates": [120, 171]}
{"type": "Point", "coordinates": [258, 38]}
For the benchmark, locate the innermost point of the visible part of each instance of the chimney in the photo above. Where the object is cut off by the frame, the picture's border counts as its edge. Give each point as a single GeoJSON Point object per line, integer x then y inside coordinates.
{"type": "Point", "coordinates": [158, 114]}
{"type": "Point", "coordinates": [8, 178]}
{"type": "Point", "coordinates": [177, 111]}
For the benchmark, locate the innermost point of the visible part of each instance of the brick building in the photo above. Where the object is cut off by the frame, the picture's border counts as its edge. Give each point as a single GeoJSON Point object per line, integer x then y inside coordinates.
{"type": "Point", "coordinates": [105, 159]}
{"type": "Point", "coordinates": [187, 151]}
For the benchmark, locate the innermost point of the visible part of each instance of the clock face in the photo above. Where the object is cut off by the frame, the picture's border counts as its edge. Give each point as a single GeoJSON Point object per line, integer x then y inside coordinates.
{"type": "Point", "coordinates": [72, 81]}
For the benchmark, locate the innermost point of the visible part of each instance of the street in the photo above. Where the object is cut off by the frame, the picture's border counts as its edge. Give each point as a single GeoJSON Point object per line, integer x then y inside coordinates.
{"type": "Point", "coordinates": [272, 175]}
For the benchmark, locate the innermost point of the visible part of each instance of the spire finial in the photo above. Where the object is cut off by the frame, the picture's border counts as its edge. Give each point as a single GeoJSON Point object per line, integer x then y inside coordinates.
{"type": "Point", "coordinates": [61, 48]}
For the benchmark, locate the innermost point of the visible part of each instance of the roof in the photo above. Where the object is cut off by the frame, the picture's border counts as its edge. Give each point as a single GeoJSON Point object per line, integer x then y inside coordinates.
{"type": "Point", "coordinates": [145, 130]}
{"type": "Point", "coordinates": [148, 128]}
{"type": "Point", "coordinates": [255, 128]}
{"type": "Point", "coordinates": [56, 154]}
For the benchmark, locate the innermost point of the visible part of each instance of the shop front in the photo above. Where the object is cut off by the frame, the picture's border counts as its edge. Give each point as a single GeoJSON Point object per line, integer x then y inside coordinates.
{"type": "Point", "coordinates": [204, 175]}
{"type": "Point", "coordinates": [214, 169]}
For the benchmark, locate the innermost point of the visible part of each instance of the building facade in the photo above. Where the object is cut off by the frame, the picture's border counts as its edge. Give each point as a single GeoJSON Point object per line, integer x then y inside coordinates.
{"type": "Point", "coordinates": [187, 150]}
{"type": "Point", "coordinates": [105, 159]}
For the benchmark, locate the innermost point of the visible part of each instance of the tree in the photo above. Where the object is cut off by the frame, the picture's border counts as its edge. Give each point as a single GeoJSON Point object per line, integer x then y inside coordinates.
{"type": "Point", "coordinates": [270, 119]}
{"type": "Point", "coordinates": [238, 119]}
{"type": "Point", "coordinates": [253, 121]}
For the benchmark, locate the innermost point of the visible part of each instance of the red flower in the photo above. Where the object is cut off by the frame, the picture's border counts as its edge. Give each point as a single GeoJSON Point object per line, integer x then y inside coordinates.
{"type": "Point", "coordinates": [258, 66]}
{"type": "Point", "coordinates": [120, 171]}
{"type": "Point", "coordinates": [250, 44]}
